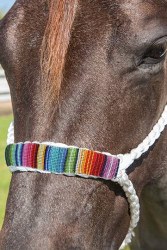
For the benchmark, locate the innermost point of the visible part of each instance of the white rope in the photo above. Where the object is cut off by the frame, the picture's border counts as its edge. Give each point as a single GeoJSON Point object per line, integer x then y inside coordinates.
{"type": "Point", "coordinates": [10, 135]}
{"type": "Point", "coordinates": [126, 160]}
{"type": "Point", "coordinates": [133, 200]}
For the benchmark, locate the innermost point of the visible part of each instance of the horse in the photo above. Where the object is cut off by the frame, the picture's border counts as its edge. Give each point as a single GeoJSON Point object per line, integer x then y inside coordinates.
{"type": "Point", "coordinates": [91, 74]}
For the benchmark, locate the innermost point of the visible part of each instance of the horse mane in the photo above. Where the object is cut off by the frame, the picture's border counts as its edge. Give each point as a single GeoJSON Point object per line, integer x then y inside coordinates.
{"type": "Point", "coordinates": [55, 43]}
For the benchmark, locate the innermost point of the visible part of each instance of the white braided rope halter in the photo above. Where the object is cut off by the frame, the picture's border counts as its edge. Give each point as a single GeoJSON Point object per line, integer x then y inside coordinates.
{"type": "Point", "coordinates": [126, 160]}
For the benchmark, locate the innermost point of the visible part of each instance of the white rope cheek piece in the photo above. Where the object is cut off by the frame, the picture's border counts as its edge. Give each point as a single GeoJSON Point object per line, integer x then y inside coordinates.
{"type": "Point", "coordinates": [126, 160]}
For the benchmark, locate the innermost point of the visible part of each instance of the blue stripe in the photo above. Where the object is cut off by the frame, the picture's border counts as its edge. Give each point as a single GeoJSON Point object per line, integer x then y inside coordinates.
{"type": "Point", "coordinates": [19, 149]}
{"type": "Point", "coordinates": [60, 165]}
{"type": "Point", "coordinates": [46, 163]}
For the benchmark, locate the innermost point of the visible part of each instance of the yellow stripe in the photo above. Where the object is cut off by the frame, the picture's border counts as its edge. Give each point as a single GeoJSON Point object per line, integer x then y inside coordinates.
{"type": "Point", "coordinates": [82, 161]}
{"type": "Point", "coordinates": [41, 157]}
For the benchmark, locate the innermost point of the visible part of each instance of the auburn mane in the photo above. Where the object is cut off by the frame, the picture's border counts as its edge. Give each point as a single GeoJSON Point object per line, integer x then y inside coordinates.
{"type": "Point", "coordinates": [55, 43]}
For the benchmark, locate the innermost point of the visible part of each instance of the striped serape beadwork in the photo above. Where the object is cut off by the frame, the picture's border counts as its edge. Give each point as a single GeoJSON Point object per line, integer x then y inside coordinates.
{"type": "Point", "coordinates": [62, 160]}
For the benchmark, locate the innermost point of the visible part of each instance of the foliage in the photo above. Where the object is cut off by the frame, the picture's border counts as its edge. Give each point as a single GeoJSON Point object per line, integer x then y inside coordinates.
{"type": "Point", "coordinates": [4, 172]}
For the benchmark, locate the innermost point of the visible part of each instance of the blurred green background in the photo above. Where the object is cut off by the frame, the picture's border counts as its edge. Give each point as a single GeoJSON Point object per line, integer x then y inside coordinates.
{"type": "Point", "coordinates": [5, 119]}
{"type": "Point", "coordinates": [5, 175]}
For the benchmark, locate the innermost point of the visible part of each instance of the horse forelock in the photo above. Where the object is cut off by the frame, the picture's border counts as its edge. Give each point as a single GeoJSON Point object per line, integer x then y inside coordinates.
{"type": "Point", "coordinates": [55, 44]}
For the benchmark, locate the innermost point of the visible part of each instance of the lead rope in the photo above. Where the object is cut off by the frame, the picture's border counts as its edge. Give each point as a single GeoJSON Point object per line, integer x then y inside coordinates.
{"type": "Point", "coordinates": [126, 160]}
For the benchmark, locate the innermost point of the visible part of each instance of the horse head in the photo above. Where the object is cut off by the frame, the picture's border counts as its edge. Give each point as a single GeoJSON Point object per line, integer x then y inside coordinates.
{"type": "Point", "coordinates": [90, 74]}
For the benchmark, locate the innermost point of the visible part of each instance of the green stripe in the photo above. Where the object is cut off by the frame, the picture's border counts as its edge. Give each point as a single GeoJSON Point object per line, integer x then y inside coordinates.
{"type": "Point", "coordinates": [13, 154]}
{"type": "Point", "coordinates": [7, 153]}
{"type": "Point", "coordinates": [10, 154]}
{"type": "Point", "coordinates": [71, 161]}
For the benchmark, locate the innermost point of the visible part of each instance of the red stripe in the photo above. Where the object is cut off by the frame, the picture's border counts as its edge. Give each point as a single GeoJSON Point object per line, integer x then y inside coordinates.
{"type": "Point", "coordinates": [34, 151]}
{"type": "Point", "coordinates": [93, 168]}
{"type": "Point", "coordinates": [101, 163]}
{"type": "Point", "coordinates": [28, 154]}
{"type": "Point", "coordinates": [97, 164]}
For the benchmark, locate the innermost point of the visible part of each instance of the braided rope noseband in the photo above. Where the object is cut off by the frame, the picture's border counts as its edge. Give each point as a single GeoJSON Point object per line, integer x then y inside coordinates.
{"type": "Point", "coordinates": [49, 157]}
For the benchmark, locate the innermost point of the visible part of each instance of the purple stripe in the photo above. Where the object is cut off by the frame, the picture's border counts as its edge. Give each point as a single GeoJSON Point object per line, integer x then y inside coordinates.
{"type": "Point", "coordinates": [108, 167]}
{"type": "Point", "coordinates": [114, 168]}
{"type": "Point", "coordinates": [111, 168]}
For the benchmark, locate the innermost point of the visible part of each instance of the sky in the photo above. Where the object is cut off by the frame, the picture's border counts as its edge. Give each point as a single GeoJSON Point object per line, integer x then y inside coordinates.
{"type": "Point", "coordinates": [6, 4]}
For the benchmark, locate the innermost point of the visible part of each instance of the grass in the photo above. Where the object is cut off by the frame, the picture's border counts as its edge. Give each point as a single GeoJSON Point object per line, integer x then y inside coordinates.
{"type": "Point", "coordinates": [5, 175]}
{"type": "Point", "coordinates": [126, 248]}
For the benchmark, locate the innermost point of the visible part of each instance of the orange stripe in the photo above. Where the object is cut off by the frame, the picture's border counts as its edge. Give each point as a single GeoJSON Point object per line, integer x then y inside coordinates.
{"type": "Point", "coordinates": [86, 153]}
{"type": "Point", "coordinates": [90, 163]}
{"type": "Point", "coordinates": [87, 161]}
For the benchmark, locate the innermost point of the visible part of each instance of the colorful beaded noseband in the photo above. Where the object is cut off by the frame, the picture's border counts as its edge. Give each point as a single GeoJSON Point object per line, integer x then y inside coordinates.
{"type": "Point", "coordinates": [49, 157]}
{"type": "Point", "coordinates": [62, 160]}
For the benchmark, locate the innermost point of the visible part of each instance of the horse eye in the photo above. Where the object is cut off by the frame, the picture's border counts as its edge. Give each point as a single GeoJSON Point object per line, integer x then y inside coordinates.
{"type": "Point", "coordinates": [155, 54]}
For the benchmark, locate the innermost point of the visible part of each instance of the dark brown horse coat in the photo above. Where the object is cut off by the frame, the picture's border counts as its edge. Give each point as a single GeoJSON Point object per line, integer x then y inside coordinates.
{"type": "Point", "coordinates": [91, 74]}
